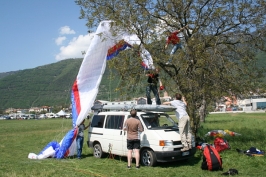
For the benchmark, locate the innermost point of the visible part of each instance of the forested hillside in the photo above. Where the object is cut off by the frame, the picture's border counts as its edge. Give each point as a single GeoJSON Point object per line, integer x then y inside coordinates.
{"type": "Point", "coordinates": [45, 85]}
{"type": "Point", "coordinates": [50, 85]}
{"type": "Point", "coordinates": [7, 73]}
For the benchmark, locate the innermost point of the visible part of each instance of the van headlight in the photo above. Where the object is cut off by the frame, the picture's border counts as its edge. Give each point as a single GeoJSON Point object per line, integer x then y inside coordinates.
{"type": "Point", "coordinates": [165, 143]}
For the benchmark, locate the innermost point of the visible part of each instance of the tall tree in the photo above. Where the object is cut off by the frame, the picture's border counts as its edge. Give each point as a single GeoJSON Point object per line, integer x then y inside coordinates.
{"type": "Point", "coordinates": [221, 42]}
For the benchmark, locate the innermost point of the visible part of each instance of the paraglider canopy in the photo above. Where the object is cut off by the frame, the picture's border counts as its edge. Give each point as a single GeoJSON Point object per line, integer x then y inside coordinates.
{"type": "Point", "coordinates": [221, 133]}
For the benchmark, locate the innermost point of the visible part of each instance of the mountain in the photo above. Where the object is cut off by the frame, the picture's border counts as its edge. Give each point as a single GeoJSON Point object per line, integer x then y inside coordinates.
{"type": "Point", "coordinates": [7, 73]}
{"type": "Point", "coordinates": [47, 85]}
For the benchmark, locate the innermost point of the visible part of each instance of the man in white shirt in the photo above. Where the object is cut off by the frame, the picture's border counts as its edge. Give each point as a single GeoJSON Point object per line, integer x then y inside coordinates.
{"type": "Point", "coordinates": [183, 120]}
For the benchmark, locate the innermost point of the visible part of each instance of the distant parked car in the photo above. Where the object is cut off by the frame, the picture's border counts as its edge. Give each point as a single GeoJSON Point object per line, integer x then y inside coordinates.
{"type": "Point", "coordinates": [68, 116]}
{"type": "Point", "coordinates": [5, 117]}
{"type": "Point", "coordinates": [2, 118]}
{"type": "Point", "coordinates": [51, 115]}
{"type": "Point", "coordinates": [234, 108]}
{"type": "Point", "coordinates": [24, 117]}
{"type": "Point", "coordinates": [32, 116]}
{"type": "Point", "coordinates": [42, 116]}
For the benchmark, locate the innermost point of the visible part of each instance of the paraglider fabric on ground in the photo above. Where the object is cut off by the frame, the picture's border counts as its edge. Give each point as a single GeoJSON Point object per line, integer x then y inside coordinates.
{"type": "Point", "coordinates": [221, 133]}
{"type": "Point", "coordinates": [104, 46]}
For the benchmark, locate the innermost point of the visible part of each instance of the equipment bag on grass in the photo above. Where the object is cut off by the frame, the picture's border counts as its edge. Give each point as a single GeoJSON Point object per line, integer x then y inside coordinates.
{"type": "Point", "coordinates": [211, 159]}
{"type": "Point", "coordinates": [221, 144]}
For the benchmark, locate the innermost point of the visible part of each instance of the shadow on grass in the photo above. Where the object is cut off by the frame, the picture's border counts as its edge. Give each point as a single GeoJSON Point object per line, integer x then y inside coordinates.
{"type": "Point", "coordinates": [86, 156]}
{"type": "Point", "coordinates": [188, 162]}
{"type": "Point", "coordinates": [106, 156]}
{"type": "Point", "coordinates": [83, 156]}
{"type": "Point", "coordinates": [219, 121]}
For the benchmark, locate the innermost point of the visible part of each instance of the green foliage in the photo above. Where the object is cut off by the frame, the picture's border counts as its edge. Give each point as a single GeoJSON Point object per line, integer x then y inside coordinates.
{"type": "Point", "coordinates": [221, 42]}
{"type": "Point", "coordinates": [21, 137]}
{"type": "Point", "coordinates": [47, 85]}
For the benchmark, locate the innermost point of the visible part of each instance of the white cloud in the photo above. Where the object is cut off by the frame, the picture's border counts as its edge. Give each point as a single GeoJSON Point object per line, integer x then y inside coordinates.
{"type": "Point", "coordinates": [75, 47]}
{"type": "Point", "coordinates": [60, 40]}
{"type": "Point", "coordinates": [66, 30]}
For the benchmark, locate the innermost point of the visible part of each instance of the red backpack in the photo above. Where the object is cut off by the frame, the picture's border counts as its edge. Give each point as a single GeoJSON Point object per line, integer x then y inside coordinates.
{"type": "Point", "coordinates": [211, 159]}
{"type": "Point", "coordinates": [221, 144]}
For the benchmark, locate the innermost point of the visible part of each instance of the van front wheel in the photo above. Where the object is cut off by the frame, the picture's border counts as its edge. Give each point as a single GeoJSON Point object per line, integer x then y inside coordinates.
{"type": "Point", "coordinates": [148, 158]}
{"type": "Point", "coordinates": [97, 151]}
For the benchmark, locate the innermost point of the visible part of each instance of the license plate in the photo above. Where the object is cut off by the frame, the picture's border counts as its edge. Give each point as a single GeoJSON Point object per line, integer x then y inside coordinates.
{"type": "Point", "coordinates": [185, 153]}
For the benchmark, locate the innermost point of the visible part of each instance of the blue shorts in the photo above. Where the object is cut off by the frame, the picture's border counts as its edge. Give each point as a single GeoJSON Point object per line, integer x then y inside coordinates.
{"type": "Point", "coordinates": [133, 144]}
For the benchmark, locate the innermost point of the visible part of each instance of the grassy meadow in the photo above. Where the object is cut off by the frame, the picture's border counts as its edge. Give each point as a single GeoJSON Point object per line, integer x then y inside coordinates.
{"type": "Point", "coordinates": [20, 137]}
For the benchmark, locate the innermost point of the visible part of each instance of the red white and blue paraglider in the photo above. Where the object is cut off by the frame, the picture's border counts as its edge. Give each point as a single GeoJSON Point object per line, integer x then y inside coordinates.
{"type": "Point", "coordinates": [104, 46]}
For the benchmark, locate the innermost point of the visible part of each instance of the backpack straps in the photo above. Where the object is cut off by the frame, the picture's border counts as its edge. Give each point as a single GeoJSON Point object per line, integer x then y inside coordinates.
{"type": "Point", "coordinates": [213, 158]}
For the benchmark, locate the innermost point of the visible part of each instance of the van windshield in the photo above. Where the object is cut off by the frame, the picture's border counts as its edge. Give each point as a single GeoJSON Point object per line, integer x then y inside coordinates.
{"type": "Point", "coordinates": [158, 121]}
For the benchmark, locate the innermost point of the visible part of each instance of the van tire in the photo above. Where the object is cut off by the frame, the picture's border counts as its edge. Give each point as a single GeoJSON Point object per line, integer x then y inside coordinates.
{"type": "Point", "coordinates": [97, 151]}
{"type": "Point", "coordinates": [148, 158]}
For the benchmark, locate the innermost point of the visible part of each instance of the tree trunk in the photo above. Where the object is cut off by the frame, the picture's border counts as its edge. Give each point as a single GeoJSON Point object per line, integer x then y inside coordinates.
{"type": "Point", "coordinates": [202, 111]}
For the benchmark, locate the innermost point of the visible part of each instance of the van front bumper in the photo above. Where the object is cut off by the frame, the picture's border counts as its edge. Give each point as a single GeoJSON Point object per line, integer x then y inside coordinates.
{"type": "Point", "coordinates": [171, 156]}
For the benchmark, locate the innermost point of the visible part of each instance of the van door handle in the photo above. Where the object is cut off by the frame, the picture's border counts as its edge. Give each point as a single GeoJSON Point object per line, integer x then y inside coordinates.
{"type": "Point", "coordinates": [122, 131]}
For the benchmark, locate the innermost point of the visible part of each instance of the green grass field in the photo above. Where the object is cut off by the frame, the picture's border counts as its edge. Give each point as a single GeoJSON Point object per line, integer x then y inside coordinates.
{"type": "Point", "coordinates": [20, 137]}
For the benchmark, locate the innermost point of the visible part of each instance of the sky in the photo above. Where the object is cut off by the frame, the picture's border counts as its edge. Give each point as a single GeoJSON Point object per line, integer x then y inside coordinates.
{"type": "Point", "coordinates": [39, 32]}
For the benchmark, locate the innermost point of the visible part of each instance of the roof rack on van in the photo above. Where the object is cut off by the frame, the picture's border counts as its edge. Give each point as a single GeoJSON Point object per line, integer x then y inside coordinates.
{"type": "Point", "coordinates": [121, 106]}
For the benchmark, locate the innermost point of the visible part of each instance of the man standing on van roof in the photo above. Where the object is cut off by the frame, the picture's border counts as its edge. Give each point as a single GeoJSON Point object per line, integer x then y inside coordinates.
{"type": "Point", "coordinates": [183, 120]}
{"type": "Point", "coordinates": [153, 79]}
{"type": "Point", "coordinates": [133, 127]}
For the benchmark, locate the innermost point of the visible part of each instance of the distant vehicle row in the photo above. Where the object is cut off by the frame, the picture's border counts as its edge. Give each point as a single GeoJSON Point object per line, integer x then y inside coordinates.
{"type": "Point", "coordinates": [33, 116]}
{"type": "Point", "coordinates": [52, 115]}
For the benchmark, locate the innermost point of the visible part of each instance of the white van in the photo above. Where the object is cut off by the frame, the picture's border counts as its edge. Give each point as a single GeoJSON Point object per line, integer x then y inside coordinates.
{"type": "Point", "coordinates": [160, 140]}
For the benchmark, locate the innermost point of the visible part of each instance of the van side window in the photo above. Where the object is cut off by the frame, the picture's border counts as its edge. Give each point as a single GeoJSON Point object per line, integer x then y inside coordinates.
{"type": "Point", "coordinates": [114, 122]}
{"type": "Point", "coordinates": [97, 121]}
{"type": "Point", "coordinates": [136, 117]}
{"type": "Point", "coordinates": [130, 116]}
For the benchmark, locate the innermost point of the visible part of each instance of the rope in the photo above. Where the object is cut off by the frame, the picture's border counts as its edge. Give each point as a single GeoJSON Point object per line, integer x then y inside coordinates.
{"type": "Point", "coordinates": [111, 156]}
{"type": "Point", "coordinates": [110, 88]}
